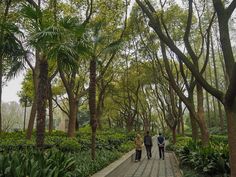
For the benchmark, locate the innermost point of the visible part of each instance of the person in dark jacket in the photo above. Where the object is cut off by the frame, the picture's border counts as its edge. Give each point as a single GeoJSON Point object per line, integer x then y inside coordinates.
{"type": "Point", "coordinates": [161, 145]}
{"type": "Point", "coordinates": [148, 144]}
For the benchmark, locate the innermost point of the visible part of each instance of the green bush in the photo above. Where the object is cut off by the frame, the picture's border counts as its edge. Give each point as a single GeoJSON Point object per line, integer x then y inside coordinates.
{"type": "Point", "coordinates": [217, 130]}
{"type": "Point", "coordinates": [37, 163]}
{"type": "Point", "coordinates": [213, 159]}
{"type": "Point", "coordinates": [56, 133]}
{"type": "Point", "coordinates": [103, 158]}
{"type": "Point", "coordinates": [219, 139]}
{"type": "Point", "coordinates": [125, 147]}
{"type": "Point", "coordinates": [65, 157]}
{"type": "Point", "coordinates": [53, 162]}
{"type": "Point", "coordinates": [181, 142]}
{"type": "Point", "coordinates": [70, 144]}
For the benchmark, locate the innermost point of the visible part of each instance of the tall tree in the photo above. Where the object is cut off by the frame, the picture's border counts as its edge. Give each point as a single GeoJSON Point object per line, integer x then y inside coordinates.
{"type": "Point", "coordinates": [228, 98]}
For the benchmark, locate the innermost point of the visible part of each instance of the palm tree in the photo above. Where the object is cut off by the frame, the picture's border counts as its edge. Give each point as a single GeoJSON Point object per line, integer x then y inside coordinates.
{"type": "Point", "coordinates": [11, 50]}
{"type": "Point", "coordinates": [60, 42]}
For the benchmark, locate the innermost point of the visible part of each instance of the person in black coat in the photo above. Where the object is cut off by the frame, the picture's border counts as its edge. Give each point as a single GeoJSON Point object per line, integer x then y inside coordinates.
{"type": "Point", "coordinates": [148, 144]}
{"type": "Point", "coordinates": [161, 145]}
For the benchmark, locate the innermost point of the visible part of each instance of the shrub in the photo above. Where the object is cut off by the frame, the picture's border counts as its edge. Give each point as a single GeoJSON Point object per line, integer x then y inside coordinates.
{"type": "Point", "coordinates": [56, 133]}
{"type": "Point", "coordinates": [37, 163]}
{"type": "Point", "coordinates": [213, 159]}
{"type": "Point", "coordinates": [103, 158]}
{"type": "Point", "coordinates": [70, 144]}
{"type": "Point", "coordinates": [125, 147]}
{"type": "Point", "coordinates": [219, 139]}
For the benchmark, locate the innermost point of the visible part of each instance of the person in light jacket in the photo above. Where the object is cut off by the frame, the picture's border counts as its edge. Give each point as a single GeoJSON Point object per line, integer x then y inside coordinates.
{"type": "Point", "coordinates": [138, 147]}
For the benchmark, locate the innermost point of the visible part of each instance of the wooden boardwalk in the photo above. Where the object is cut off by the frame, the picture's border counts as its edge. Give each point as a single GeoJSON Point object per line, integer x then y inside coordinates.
{"type": "Point", "coordinates": [154, 167]}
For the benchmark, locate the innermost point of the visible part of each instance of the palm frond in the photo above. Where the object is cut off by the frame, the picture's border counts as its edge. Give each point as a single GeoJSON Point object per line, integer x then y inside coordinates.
{"type": "Point", "coordinates": [46, 37]}
{"type": "Point", "coordinates": [65, 54]}
{"type": "Point", "coordinates": [73, 25]}
{"type": "Point", "coordinates": [15, 67]}
{"type": "Point", "coordinates": [31, 12]}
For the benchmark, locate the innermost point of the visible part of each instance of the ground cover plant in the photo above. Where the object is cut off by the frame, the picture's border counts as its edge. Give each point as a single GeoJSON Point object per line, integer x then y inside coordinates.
{"type": "Point", "coordinates": [211, 160]}
{"type": "Point", "coordinates": [61, 156]}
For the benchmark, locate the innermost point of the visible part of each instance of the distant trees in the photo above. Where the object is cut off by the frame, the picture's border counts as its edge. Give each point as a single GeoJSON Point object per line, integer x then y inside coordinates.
{"type": "Point", "coordinates": [12, 117]}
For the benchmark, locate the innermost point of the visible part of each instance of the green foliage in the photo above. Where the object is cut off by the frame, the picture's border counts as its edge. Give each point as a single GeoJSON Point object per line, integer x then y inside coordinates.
{"type": "Point", "coordinates": [37, 163]}
{"type": "Point", "coordinates": [70, 144]}
{"type": "Point", "coordinates": [216, 130]}
{"type": "Point", "coordinates": [212, 159]}
{"type": "Point", "coordinates": [125, 147]}
{"type": "Point", "coordinates": [103, 158]}
{"type": "Point", "coordinates": [53, 163]}
{"type": "Point", "coordinates": [219, 139]}
{"type": "Point", "coordinates": [57, 133]}
{"type": "Point", "coordinates": [65, 157]}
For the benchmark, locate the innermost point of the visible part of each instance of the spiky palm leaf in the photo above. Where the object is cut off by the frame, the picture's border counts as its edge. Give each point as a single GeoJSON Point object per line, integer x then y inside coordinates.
{"type": "Point", "coordinates": [30, 12]}
{"type": "Point", "coordinates": [13, 51]}
{"type": "Point", "coordinates": [63, 42]}
{"type": "Point", "coordinates": [60, 44]}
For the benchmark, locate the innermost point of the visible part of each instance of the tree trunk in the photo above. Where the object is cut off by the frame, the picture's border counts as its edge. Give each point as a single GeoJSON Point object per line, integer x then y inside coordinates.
{"type": "Point", "coordinates": [130, 123]}
{"type": "Point", "coordinates": [34, 105]}
{"type": "Point", "coordinates": [174, 134]}
{"type": "Point", "coordinates": [72, 116]}
{"type": "Point", "coordinates": [194, 128]}
{"type": "Point", "coordinates": [100, 102]}
{"type": "Point", "coordinates": [208, 109]}
{"type": "Point", "coordinates": [146, 125]}
{"type": "Point", "coordinates": [50, 109]}
{"type": "Point", "coordinates": [31, 120]}
{"type": "Point", "coordinates": [41, 101]}
{"type": "Point", "coordinates": [25, 115]}
{"type": "Point", "coordinates": [1, 75]}
{"type": "Point", "coordinates": [202, 122]}
{"type": "Point", "coordinates": [213, 98]}
{"type": "Point", "coordinates": [231, 121]}
{"type": "Point", "coordinates": [77, 116]}
{"type": "Point", "coordinates": [109, 122]}
{"type": "Point", "coordinates": [92, 105]}
{"type": "Point", "coordinates": [182, 125]}
{"type": "Point", "coordinates": [221, 119]}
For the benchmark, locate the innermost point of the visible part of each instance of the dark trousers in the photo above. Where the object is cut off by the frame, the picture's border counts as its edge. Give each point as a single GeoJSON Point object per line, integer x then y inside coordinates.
{"type": "Point", "coordinates": [138, 155]}
{"type": "Point", "coordinates": [149, 151]}
{"type": "Point", "coordinates": [161, 152]}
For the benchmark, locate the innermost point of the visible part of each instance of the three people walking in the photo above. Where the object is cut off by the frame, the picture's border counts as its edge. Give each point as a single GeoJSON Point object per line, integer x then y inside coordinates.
{"type": "Point", "coordinates": [148, 145]}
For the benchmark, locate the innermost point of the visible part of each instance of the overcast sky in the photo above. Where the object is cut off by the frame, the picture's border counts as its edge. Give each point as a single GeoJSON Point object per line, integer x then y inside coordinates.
{"type": "Point", "coordinates": [9, 92]}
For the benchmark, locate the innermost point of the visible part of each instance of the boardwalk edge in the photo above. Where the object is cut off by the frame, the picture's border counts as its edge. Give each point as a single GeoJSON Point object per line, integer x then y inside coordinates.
{"type": "Point", "coordinates": [120, 164]}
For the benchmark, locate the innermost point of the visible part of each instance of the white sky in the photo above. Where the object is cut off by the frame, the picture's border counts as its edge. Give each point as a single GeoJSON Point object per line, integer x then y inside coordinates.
{"type": "Point", "coordinates": [9, 91]}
